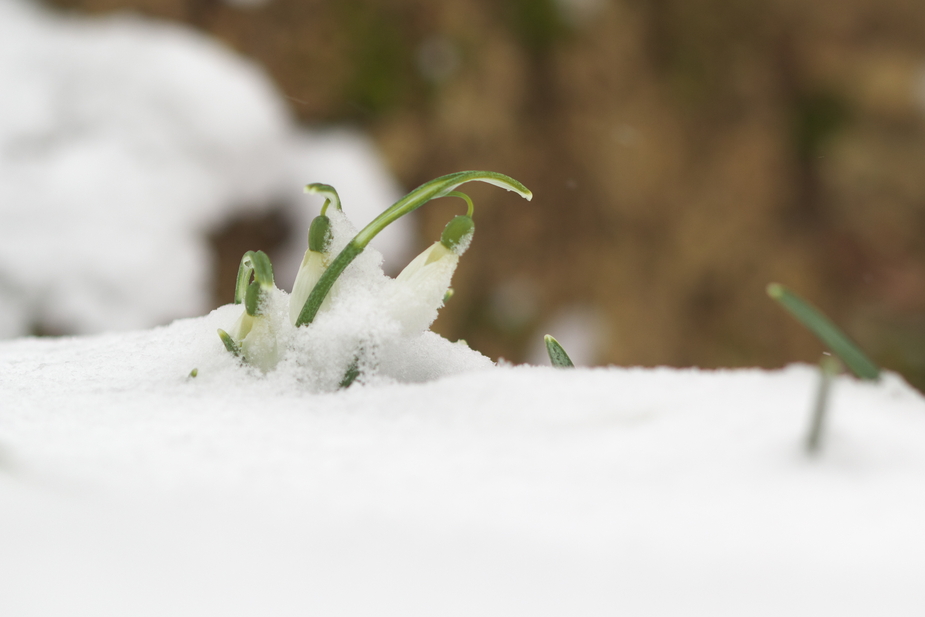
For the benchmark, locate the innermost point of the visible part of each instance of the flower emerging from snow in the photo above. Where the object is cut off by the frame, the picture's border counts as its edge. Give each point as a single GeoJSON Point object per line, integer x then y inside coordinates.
{"type": "Point", "coordinates": [422, 286]}
{"type": "Point", "coordinates": [316, 260]}
{"type": "Point", "coordinates": [411, 300]}
{"type": "Point", "coordinates": [253, 336]}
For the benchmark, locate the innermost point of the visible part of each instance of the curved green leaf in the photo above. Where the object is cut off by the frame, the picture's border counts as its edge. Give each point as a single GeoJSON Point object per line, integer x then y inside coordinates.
{"type": "Point", "coordinates": [439, 187]}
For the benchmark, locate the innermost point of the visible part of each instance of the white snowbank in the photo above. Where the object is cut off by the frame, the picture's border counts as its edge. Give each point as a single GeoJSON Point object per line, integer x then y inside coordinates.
{"type": "Point", "coordinates": [122, 143]}
{"type": "Point", "coordinates": [128, 488]}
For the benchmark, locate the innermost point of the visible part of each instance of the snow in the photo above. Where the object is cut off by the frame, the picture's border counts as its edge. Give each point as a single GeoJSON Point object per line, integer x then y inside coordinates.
{"type": "Point", "coordinates": [123, 142]}
{"type": "Point", "coordinates": [439, 483]}
{"type": "Point", "coordinates": [128, 487]}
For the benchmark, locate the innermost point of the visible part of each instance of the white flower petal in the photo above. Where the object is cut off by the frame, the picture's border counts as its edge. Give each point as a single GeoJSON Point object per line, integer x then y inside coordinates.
{"type": "Point", "coordinates": [420, 288]}
{"type": "Point", "coordinates": [313, 266]}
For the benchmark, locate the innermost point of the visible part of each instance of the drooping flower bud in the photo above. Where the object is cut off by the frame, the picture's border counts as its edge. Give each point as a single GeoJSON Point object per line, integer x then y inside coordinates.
{"type": "Point", "coordinates": [316, 260]}
{"type": "Point", "coordinates": [457, 234]}
{"type": "Point", "coordinates": [319, 234]}
{"type": "Point", "coordinates": [253, 337]}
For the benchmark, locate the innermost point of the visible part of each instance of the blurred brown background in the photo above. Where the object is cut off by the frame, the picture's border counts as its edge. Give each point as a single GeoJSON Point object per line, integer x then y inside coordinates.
{"type": "Point", "coordinates": [682, 153]}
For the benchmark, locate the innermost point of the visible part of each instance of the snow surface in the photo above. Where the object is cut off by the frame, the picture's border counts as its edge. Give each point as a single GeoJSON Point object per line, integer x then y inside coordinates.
{"type": "Point", "coordinates": [123, 142]}
{"type": "Point", "coordinates": [129, 488]}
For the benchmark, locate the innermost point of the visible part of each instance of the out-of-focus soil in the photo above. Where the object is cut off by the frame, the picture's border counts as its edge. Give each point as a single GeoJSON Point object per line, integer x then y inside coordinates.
{"type": "Point", "coordinates": [683, 154]}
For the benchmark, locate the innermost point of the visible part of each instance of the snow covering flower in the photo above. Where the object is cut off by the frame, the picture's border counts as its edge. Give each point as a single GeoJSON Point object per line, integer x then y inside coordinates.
{"type": "Point", "coordinates": [255, 337]}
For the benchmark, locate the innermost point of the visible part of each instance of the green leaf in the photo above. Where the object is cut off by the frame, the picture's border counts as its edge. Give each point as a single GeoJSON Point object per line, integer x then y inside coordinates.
{"type": "Point", "coordinates": [263, 269]}
{"type": "Point", "coordinates": [252, 299]}
{"type": "Point", "coordinates": [557, 354]}
{"type": "Point", "coordinates": [826, 331]}
{"type": "Point", "coordinates": [439, 187]}
{"type": "Point", "coordinates": [244, 277]}
{"type": "Point", "coordinates": [353, 371]}
{"type": "Point", "coordinates": [230, 345]}
{"type": "Point", "coordinates": [258, 264]}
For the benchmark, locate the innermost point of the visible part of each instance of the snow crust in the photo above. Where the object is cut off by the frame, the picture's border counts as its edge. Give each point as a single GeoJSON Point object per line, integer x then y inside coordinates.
{"type": "Point", "coordinates": [129, 488]}
{"type": "Point", "coordinates": [123, 142]}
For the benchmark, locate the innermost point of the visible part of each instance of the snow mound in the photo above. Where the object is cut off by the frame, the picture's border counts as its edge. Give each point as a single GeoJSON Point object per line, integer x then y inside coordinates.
{"type": "Point", "coordinates": [130, 488]}
{"type": "Point", "coordinates": [123, 142]}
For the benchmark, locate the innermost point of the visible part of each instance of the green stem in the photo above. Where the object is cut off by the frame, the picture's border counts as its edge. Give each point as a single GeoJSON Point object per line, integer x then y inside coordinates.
{"type": "Point", "coordinates": [330, 195]}
{"type": "Point", "coordinates": [828, 368]}
{"type": "Point", "coordinates": [471, 207]}
{"type": "Point", "coordinates": [324, 284]}
{"type": "Point", "coordinates": [439, 187]}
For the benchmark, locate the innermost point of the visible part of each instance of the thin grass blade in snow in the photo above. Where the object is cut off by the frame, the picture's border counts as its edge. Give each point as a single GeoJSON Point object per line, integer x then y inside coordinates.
{"type": "Point", "coordinates": [826, 331]}
{"type": "Point", "coordinates": [828, 368]}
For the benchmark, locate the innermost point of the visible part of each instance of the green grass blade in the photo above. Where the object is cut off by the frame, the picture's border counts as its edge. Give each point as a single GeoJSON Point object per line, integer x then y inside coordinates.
{"type": "Point", "coordinates": [826, 331]}
{"type": "Point", "coordinates": [557, 354]}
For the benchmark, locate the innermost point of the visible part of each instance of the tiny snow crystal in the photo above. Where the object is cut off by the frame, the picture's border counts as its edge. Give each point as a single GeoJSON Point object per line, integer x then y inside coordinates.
{"type": "Point", "coordinates": [391, 317]}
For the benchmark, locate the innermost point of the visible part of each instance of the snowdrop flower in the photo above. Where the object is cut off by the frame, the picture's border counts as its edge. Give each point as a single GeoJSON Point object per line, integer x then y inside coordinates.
{"type": "Point", "coordinates": [253, 336]}
{"type": "Point", "coordinates": [314, 263]}
{"type": "Point", "coordinates": [317, 257]}
{"type": "Point", "coordinates": [420, 289]}
{"type": "Point", "coordinates": [438, 187]}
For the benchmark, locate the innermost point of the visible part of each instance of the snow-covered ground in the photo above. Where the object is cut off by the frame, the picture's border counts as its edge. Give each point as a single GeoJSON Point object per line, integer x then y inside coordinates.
{"type": "Point", "coordinates": [129, 488]}
{"type": "Point", "coordinates": [440, 484]}
{"type": "Point", "coordinates": [123, 143]}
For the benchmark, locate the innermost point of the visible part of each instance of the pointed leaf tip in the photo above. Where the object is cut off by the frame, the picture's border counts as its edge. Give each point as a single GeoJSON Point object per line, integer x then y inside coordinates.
{"type": "Point", "coordinates": [557, 355]}
{"type": "Point", "coordinates": [229, 343]}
